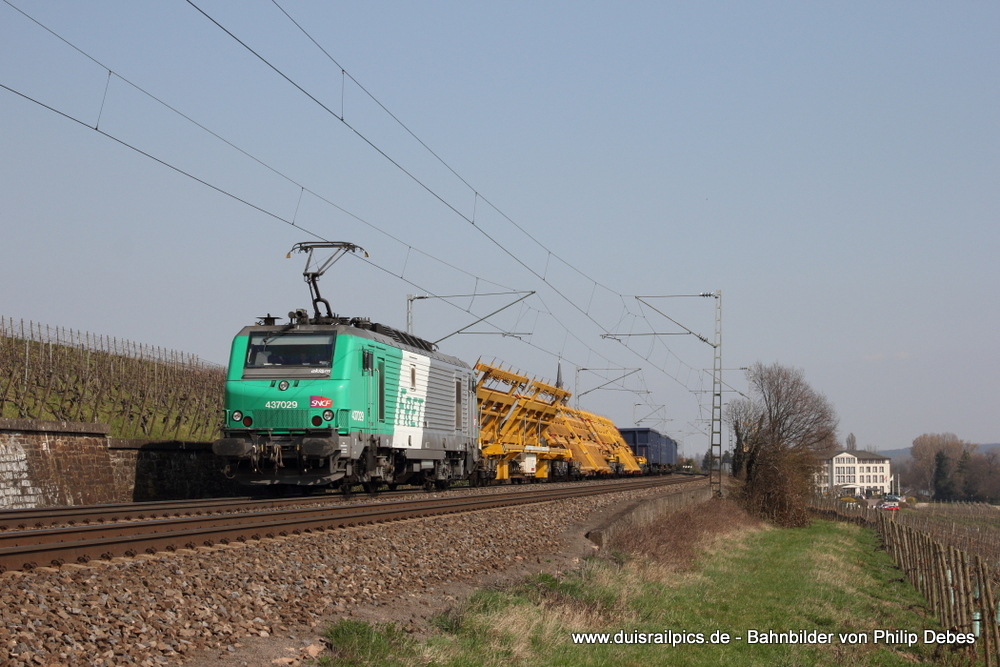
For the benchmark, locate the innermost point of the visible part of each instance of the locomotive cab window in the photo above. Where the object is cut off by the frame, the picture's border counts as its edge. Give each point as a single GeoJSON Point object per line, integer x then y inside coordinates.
{"type": "Point", "coordinates": [276, 350]}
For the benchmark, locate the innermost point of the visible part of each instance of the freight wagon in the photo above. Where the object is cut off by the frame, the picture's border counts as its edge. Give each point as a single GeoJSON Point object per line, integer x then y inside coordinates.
{"type": "Point", "coordinates": [659, 450]}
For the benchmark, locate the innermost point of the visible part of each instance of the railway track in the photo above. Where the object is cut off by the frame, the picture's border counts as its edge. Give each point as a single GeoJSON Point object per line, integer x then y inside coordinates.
{"type": "Point", "coordinates": [25, 519]}
{"type": "Point", "coordinates": [235, 520]}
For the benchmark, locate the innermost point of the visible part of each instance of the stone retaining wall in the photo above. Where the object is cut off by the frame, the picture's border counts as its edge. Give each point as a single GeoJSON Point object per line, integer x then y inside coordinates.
{"type": "Point", "coordinates": [648, 510]}
{"type": "Point", "coordinates": [54, 463]}
{"type": "Point", "coordinates": [166, 470]}
{"type": "Point", "coordinates": [45, 464]}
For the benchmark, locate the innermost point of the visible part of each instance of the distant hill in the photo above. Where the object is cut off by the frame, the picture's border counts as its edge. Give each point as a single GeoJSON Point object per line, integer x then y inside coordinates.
{"type": "Point", "coordinates": [896, 453]}
{"type": "Point", "coordinates": [900, 454]}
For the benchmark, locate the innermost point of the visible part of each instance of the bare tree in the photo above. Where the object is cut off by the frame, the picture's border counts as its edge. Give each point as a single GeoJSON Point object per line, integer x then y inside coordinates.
{"type": "Point", "coordinates": [784, 431]}
{"type": "Point", "coordinates": [851, 443]}
{"type": "Point", "coordinates": [924, 453]}
{"type": "Point", "coordinates": [903, 472]}
{"type": "Point", "coordinates": [745, 420]}
{"type": "Point", "coordinates": [986, 475]}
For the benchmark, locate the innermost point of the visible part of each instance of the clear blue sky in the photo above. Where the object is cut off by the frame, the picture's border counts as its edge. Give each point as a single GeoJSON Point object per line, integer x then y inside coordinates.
{"type": "Point", "coordinates": [831, 167]}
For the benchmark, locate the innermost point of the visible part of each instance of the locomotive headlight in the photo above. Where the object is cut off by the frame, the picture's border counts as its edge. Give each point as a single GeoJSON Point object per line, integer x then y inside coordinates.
{"type": "Point", "coordinates": [237, 416]}
{"type": "Point", "coordinates": [328, 415]}
{"type": "Point", "coordinates": [247, 421]}
{"type": "Point", "coordinates": [316, 421]}
{"type": "Point", "coordinates": [283, 385]}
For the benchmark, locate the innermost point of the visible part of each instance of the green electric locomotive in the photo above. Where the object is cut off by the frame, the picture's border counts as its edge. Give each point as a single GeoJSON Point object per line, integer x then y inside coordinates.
{"type": "Point", "coordinates": [326, 401]}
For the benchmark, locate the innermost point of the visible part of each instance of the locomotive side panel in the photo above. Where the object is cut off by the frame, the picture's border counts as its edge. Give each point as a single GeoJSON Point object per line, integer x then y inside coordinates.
{"type": "Point", "coordinates": [434, 400]}
{"type": "Point", "coordinates": [411, 401]}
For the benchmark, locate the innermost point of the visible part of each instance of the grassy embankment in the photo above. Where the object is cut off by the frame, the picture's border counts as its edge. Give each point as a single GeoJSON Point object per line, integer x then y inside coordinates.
{"type": "Point", "coordinates": [701, 570]}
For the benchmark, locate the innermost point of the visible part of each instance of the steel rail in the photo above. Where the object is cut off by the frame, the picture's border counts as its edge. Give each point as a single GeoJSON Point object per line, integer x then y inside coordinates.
{"type": "Point", "coordinates": [27, 549]}
{"type": "Point", "coordinates": [41, 517]}
{"type": "Point", "coordinates": [26, 519]}
{"type": "Point", "coordinates": [158, 525]}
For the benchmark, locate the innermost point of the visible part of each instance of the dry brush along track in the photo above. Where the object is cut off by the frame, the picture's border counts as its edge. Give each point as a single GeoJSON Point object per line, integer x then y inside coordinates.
{"type": "Point", "coordinates": [28, 549]}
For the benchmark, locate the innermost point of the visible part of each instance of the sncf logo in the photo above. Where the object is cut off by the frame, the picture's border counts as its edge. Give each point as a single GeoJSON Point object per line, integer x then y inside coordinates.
{"type": "Point", "coordinates": [320, 402]}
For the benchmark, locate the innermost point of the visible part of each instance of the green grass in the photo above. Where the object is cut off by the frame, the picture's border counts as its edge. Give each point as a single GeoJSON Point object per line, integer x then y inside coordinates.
{"type": "Point", "coordinates": [359, 643]}
{"type": "Point", "coordinates": [828, 576]}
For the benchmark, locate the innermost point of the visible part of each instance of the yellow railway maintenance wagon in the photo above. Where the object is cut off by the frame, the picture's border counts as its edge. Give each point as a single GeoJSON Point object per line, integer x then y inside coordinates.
{"type": "Point", "coordinates": [514, 413]}
{"type": "Point", "coordinates": [527, 431]}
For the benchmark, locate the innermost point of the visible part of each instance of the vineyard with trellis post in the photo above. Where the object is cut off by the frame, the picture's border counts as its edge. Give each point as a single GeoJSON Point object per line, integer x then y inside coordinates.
{"type": "Point", "coordinates": [140, 391]}
{"type": "Point", "coordinates": [950, 553]}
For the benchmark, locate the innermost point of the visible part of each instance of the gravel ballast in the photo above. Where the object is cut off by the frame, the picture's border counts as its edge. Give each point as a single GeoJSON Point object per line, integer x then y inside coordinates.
{"type": "Point", "coordinates": [158, 610]}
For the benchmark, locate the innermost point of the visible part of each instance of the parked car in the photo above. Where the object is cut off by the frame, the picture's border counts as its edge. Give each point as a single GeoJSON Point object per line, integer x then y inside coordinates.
{"type": "Point", "coordinates": [892, 496]}
{"type": "Point", "coordinates": [888, 505]}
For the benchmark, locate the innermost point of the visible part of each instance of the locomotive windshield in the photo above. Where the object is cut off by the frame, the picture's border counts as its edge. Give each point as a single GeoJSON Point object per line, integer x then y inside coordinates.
{"type": "Point", "coordinates": [289, 350]}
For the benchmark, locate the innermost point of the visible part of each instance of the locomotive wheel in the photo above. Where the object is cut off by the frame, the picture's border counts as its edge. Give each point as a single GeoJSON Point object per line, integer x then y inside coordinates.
{"type": "Point", "coordinates": [345, 489]}
{"type": "Point", "coordinates": [371, 488]}
{"type": "Point", "coordinates": [443, 484]}
{"type": "Point", "coordinates": [428, 485]}
{"type": "Point", "coordinates": [392, 487]}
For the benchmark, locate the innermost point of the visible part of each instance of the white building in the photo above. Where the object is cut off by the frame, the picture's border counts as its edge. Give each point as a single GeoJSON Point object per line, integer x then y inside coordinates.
{"type": "Point", "coordinates": [856, 473]}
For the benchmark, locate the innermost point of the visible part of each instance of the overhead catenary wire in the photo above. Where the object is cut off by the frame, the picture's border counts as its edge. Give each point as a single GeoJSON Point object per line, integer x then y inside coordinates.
{"type": "Point", "coordinates": [408, 173]}
{"type": "Point", "coordinates": [264, 211]}
{"type": "Point", "coordinates": [477, 195]}
{"type": "Point", "coordinates": [409, 247]}
{"type": "Point", "coordinates": [302, 188]}
{"type": "Point", "coordinates": [245, 202]}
